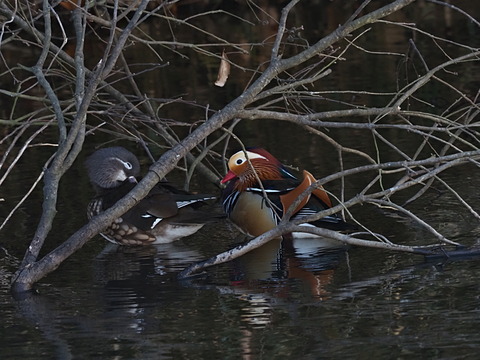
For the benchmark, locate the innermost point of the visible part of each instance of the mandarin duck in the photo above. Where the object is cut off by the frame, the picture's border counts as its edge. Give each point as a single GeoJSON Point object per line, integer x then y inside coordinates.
{"type": "Point", "coordinates": [166, 214]}
{"type": "Point", "coordinates": [258, 207]}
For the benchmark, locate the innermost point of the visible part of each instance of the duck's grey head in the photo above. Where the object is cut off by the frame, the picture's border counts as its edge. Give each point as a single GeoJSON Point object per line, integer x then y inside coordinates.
{"type": "Point", "coordinates": [109, 167]}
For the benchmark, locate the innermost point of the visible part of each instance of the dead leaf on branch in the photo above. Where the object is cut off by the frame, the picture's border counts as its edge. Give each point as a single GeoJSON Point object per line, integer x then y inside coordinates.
{"type": "Point", "coordinates": [223, 71]}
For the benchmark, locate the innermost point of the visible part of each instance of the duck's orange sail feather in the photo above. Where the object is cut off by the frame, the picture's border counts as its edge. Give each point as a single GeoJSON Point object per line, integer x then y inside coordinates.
{"type": "Point", "coordinates": [308, 179]}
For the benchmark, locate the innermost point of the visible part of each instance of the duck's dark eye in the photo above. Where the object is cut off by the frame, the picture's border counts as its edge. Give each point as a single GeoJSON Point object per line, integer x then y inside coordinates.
{"type": "Point", "coordinates": [239, 161]}
{"type": "Point", "coordinates": [128, 165]}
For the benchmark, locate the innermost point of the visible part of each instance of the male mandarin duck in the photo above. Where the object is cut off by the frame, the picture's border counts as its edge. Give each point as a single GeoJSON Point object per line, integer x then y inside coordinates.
{"type": "Point", "coordinates": [166, 214]}
{"type": "Point", "coordinates": [244, 198]}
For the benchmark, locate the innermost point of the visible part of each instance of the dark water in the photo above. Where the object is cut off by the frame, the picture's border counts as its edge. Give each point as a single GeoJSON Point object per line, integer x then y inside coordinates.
{"type": "Point", "coordinates": [307, 300]}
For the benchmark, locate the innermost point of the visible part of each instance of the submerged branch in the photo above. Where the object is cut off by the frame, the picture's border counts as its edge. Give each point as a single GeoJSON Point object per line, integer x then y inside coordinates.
{"type": "Point", "coordinates": [285, 228]}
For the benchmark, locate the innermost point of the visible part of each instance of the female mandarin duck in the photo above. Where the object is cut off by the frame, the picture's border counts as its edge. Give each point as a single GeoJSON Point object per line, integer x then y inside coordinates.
{"type": "Point", "coordinates": [163, 216]}
{"type": "Point", "coordinates": [244, 198]}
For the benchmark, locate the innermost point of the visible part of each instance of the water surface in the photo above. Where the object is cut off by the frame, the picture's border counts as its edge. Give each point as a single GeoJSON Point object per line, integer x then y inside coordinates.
{"type": "Point", "coordinates": [282, 301]}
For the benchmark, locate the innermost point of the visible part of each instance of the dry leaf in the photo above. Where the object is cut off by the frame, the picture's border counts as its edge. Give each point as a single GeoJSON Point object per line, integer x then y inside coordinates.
{"type": "Point", "coordinates": [224, 71]}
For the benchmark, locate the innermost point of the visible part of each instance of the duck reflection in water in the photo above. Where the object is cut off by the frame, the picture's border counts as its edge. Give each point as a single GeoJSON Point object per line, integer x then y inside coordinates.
{"type": "Point", "coordinates": [283, 263]}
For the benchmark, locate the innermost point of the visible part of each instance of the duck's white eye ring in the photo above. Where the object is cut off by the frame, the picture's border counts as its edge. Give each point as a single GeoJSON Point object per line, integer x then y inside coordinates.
{"type": "Point", "coordinates": [127, 165]}
{"type": "Point", "coordinates": [239, 161]}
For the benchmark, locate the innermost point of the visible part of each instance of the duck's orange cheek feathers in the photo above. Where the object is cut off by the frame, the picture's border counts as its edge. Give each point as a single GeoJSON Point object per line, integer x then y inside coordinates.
{"type": "Point", "coordinates": [252, 215]}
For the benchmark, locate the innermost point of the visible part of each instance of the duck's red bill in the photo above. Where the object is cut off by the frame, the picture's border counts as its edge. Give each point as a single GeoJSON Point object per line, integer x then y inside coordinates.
{"type": "Point", "coordinates": [230, 175]}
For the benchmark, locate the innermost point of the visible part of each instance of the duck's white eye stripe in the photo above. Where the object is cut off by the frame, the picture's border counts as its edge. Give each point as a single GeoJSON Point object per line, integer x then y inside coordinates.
{"type": "Point", "coordinates": [252, 155]}
{"type": "Point", "coordinates": [239, 157]}
{"type": "Point", "coordinates": [127, 165]}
